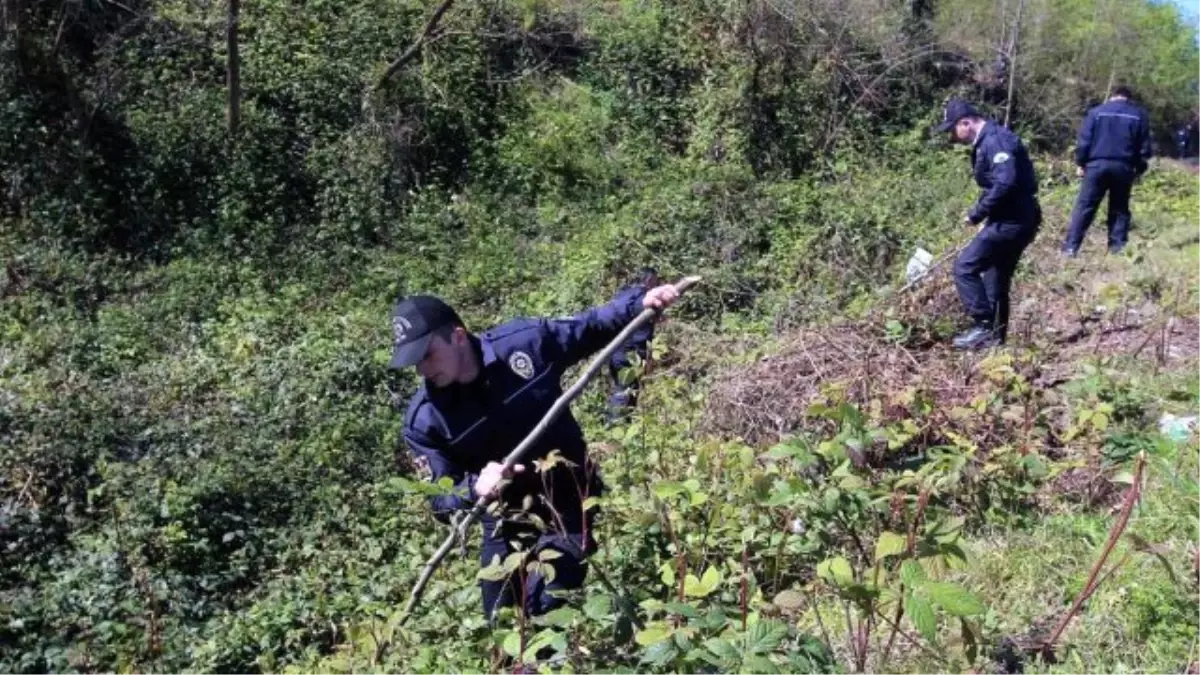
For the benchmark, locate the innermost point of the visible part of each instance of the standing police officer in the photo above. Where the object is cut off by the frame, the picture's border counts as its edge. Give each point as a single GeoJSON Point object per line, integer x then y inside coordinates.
{"type": "Point", "coordinates": [983, 271]}
{"type": "Point", "coordinates": [624, 396]}
{"type": "Point", "coordinates": [481, 396]}
{"type": "Point", "coordinates": [1113, 150]}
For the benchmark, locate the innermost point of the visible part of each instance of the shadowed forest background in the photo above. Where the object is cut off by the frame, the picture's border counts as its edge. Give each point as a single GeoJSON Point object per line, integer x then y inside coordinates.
{"type": "Point", "coordinates": [207, 209]}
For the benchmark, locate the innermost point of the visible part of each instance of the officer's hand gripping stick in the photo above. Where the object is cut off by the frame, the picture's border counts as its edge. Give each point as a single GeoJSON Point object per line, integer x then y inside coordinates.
{"type": "Point", "coordinates": [513, 457]}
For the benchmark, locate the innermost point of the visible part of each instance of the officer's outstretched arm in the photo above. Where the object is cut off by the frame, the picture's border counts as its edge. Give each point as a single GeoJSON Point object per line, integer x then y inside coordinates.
{"type": "Point", "coordinates": [464, 495]}
{"type": "Point", "coordinates": [576, 338]}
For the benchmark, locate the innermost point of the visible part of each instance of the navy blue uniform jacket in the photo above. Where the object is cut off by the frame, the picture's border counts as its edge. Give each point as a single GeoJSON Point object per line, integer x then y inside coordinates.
{"type": "Point", "coordinates": [1003, 169]}
{"type": "Point", "coordinates": [460, 428]}
{"type": "Point", "coordinates": [1117, 131]}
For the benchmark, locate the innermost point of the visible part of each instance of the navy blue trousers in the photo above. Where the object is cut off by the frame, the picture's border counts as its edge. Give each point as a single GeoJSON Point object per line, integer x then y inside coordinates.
{"type": "Point", "coordinates": [984, 270]}
{"type": "Point", "coordinates": [567, 530]}
{"type": "Point", "coordinates": [536, 592]}
{"type": "Point", "coordinates": [1102, 177]}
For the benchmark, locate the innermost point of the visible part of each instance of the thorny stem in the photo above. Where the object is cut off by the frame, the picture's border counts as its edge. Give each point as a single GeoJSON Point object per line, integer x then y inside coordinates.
{"type": "Point", "coordinates": [850, 631]}
{"type": "Point", "coordinates": [922, 502]}
{"type": "Point", "coordinates": [817, 614]}
{"type": "Point", "coordinates": [912, 640]}
{"type": "Point", "coordinates": [521, 615]}
{"type": "Point", "coordinates": [745, 583]}
{"type": "Point", "coordinates": [680, 562]}
{"type": "Point", "coordinates": [787, 529]}
{"type": "Point", "coordinates": [1118, 529]}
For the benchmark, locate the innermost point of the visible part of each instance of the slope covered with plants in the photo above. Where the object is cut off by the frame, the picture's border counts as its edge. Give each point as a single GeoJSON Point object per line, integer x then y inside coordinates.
{"type": "Point", "coordinates": [199, 458]}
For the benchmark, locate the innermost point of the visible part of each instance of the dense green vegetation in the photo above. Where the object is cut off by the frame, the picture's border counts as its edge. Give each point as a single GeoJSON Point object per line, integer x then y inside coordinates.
{"type": "Point", "coordinates": [199, 466]}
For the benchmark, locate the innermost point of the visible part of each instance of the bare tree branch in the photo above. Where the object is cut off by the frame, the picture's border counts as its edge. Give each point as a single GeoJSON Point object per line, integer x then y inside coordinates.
{"type": "Point", "coordinates": [415, 47]}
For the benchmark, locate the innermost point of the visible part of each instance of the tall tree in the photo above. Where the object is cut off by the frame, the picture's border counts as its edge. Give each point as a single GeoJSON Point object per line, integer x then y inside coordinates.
{"type": "Point", "coordinates": [233, 106]}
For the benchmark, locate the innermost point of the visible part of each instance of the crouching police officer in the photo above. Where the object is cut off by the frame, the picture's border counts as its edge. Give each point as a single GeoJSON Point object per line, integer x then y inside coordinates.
{"type": "Point", "coordinates": [481, 396]}
{"type": "Point", "coordinates": [983, 271]}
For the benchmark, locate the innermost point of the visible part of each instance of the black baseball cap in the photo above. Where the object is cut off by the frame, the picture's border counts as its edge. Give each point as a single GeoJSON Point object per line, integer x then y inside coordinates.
{"type": "Point", "coordinates": [956, 109]}
{"type": "Point", "coordinates": [414, 321]}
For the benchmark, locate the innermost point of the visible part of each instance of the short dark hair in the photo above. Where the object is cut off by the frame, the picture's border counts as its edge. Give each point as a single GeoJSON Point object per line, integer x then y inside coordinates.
{"type": "Point", "coordinates": [1123, 91]}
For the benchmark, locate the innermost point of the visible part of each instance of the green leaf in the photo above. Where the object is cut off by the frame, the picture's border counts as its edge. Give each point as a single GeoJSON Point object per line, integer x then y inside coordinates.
{"type": "Point", "coordinates": [1034, 467]}
{"type": "Point", "coordinates": [667, 574]}
{"type": "Point", "coordinates": [668, 488]}
{"type": "Point", "coordinates": [889, 544]}
{"type": "Point", "coordinates": [563, 616]}
{"type": "Point", "coordinates": [512, 644]}
{"type": "Point", "coordinates": [912, 574]}
{"type": "Point", "coordinates": [543, 639]}
{"type": "Point", "coordinates": [758, 664]}
{"type": "Point", "coordinates": [722, 649]}
{"type": "Point", "coordinates": [660, 653]}
{"type": "Point", "coordinates": [921, 614]}
{"type": "Point", "coordinates": [682, 609]}
{"type": "Point", "coordinates": [954, 598]}
{"type": "Point", "coordinates": [765, 636]}
{"type": "Point", "coordinates": [493, 572]}
{"type": "Point", "coordinates": [837, 570]}
{"type": "Point", "coordinates": [703, 587]}
{"type": "Point", "coordinates": [652, 634]}
{"type": "Point", "coordinates": [598, 606]}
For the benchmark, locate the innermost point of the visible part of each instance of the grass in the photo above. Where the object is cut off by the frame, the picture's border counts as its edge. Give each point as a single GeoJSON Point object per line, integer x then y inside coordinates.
{"type": "Point", "coordinates": [1144, 617]}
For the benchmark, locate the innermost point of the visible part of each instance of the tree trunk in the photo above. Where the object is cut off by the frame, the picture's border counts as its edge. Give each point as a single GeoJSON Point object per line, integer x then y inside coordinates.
{"type": "Point", "coordinates": [233, 108]}
{"type": "Point", "coordinates": [1012, 65]}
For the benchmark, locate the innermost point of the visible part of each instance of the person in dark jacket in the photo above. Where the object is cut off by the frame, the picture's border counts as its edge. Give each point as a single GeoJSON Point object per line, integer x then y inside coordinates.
{"type": "Point", "coordinates": [1114, 150]}
{"type": "Point", "coordinates": [620, 364]}
{"type": "Point", "coordinates": [481, 396]}
{"type": "Point", "coordinates": [984, 270]}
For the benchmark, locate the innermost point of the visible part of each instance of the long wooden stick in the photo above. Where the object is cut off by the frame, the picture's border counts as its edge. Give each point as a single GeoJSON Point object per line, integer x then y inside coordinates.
{"type": "Point", "coordinates": [557, 409]}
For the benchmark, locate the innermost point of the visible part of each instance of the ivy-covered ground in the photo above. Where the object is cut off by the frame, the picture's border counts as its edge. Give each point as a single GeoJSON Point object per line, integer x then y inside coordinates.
{"type": "Point", "coordinates": [199, 459]}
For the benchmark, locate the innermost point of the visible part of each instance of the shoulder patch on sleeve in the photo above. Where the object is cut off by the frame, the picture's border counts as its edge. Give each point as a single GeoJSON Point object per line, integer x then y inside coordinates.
{"type": "Point", "coordinates": [1000, 158]}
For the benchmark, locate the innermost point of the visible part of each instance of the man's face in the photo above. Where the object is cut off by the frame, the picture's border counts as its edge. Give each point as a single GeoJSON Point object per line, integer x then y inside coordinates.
{"type": "Point", "coordinates": [444, 361]}
{"type": "Point", "coordinates": [963, 131]}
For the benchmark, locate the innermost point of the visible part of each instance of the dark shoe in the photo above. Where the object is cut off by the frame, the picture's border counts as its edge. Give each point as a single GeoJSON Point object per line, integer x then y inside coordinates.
{"type": "Point", "coordinates": [1116, 250]}
{"type": "Point", "coordinates": [979, 337]}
